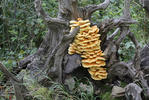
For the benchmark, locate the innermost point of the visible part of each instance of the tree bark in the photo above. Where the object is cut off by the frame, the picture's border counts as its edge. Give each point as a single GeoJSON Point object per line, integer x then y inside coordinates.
{"type": "Point", "coordinates": [49, 57]}
{"type": "Point", "coordinates": [52, 59]}
{"type": "Point", "coordinates": [18, 84]}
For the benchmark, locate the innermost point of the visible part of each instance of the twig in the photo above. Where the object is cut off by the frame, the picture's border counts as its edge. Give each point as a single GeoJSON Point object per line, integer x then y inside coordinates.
{"type": "Point", "coordinates": [71, 34]}
{"type": "Point", "coordinates": [16, 82]}
{"type": "Point", "coordinates": [7, 73]}
{"type": "Point", "coordinates": [113, 34]}
{"type": "Point", "coordinates": [102, 6]}
{"type": "Point", "coordinates": [108, 24]}
{"type": "Point", "coordinates": [125, 31]}
{"type": "Point", "coordinates": [137, 58]}
{"type": "Point", "coordinates": [45, 16]}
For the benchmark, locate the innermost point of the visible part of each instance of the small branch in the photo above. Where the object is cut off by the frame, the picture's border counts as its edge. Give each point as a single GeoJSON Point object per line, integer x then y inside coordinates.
{"type": "Point", "coordinates": [7, 73]}
{"type": "Point", "coordinates": [45, 16]}
{"type": "Point", "coordinates": [102, 6]}
{"type": "Point", "coordinates": [108, 24]}
{"type": "Point", "coordinates": [71, 34]}
{"type": "Point", "coordinates": [56, 21]}
{"type": "Point", "coordinates": [40, 11]}
{"type": "Point", "coordinates": [16, 83]}
{"type": "Point", "coordinates": [111, 37]}
{"type": "Point", "coordinates": [137, 58]}
{"type": "Point", "coordinates": [127, 21]}
{"type": "Point", "coordinates": [125, 31]}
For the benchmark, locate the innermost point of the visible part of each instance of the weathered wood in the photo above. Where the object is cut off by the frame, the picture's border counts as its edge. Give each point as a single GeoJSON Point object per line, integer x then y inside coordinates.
{"type": "Point", "coordinates": [52, 58]}
{"type": "Point", "coordinates": [7, 73]}
{"type": "Point", "coordinates": [16, 82]}
{"type": "Point", "coordinates": [102, 6]}
{"type": "Point", "coordinates": [54, 46]}
{"type": "Point", "coordinates": [133, 92]}
{"type": "Point", "coordinates": [71, 63]}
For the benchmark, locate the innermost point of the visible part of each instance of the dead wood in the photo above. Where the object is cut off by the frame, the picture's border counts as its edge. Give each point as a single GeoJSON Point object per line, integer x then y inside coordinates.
{"type": "Point", "coordinates": [133, 92]}
{"type": "Point", "coordinates": [52, 59]}
{"type": "Point", "coordinates": [18, 85]}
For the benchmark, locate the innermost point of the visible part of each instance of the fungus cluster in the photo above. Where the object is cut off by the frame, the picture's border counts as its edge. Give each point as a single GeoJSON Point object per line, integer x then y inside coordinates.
{"type": "Point", "coordinates": [87, 44]}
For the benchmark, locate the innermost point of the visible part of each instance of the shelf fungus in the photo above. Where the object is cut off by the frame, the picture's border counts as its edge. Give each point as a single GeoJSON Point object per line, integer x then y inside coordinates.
{"type": "Point", "coordinates": [87, 44]}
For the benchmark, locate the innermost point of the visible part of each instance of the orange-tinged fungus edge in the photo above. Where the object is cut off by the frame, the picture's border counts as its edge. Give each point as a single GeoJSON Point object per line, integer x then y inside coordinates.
{"type": "Point", "coordinates": [87, 44]}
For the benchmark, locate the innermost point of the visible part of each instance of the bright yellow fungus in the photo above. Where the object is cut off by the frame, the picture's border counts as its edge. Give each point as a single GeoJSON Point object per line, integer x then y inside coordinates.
{"type": "Point", "coordinates": [98, 73]}
{"type": "Point", "coordinates": [87, 44]}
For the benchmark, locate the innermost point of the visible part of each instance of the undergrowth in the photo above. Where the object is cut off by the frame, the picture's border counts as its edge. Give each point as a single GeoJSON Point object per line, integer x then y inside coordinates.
{"type": "Point", "coordinates": [77, 90]}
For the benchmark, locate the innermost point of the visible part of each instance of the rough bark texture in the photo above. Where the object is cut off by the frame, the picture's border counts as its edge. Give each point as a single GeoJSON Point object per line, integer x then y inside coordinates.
{"type": "Point", "coordinates": [133, 92]}
{"type": "Point", "coordinates": [18, 84]}
{"type": "Point", "coordinates": [52, 59]}
{"type": "Point", "coordinates": [50, 55]}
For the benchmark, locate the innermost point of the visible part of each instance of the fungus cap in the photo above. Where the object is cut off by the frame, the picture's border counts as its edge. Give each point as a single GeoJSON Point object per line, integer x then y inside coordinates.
{"type": "Point", "coordinates": [87, 44]}
{"type": "Point", "coordinates": [98, 73]}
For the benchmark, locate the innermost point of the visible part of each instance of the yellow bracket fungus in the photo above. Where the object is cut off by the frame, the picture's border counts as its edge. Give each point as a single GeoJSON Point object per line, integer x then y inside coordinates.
{"type": "Point", "coordinates": [87, 44]}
